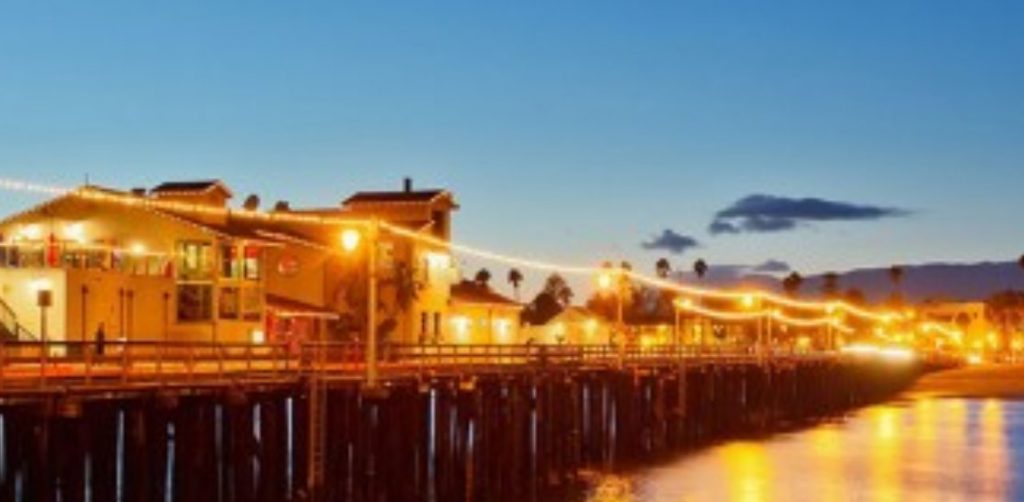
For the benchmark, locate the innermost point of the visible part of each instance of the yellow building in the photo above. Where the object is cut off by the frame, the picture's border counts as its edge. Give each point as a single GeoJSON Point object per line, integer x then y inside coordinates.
{"type": "Point", "coordinates": [193, 269]}
{"type": "Point", "coordinates": [574, 325]}
{"type": "Point", "coordinates": [480, 316]}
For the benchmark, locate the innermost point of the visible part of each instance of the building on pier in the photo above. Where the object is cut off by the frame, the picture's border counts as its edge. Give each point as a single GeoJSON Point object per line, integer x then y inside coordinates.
{"type": "Point", "coordinates": [191, 269]}
{"type": "Point", "coordinates": [574, 326]}
{"type": "Point", "coordinates": [480, 316]}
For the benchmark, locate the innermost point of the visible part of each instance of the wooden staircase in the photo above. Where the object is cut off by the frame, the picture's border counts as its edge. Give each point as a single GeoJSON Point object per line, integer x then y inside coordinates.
{"type": "Point", "coordinates": [10, 329]}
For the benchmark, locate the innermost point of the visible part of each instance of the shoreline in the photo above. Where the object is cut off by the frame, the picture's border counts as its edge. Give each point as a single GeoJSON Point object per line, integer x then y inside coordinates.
{"type": "Point", "coordinates": [977, 382]}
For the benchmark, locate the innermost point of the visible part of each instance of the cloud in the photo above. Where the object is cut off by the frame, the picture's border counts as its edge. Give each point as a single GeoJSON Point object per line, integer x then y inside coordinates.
{"type": "Point", "coordinates": [770, 213]}
{"type": "Point", "coordinates": [670, 241]}
{"type": "Point", "coordinates": [772, 267]}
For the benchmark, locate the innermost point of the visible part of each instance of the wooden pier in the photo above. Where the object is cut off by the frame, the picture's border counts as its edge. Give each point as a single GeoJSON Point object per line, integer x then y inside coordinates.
{"type": "Point", "coordinates": [197, 422]}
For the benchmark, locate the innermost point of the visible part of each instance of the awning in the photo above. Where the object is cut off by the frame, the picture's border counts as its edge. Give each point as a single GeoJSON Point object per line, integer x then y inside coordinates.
{"type": "Point", "coordinates": [287, 308]}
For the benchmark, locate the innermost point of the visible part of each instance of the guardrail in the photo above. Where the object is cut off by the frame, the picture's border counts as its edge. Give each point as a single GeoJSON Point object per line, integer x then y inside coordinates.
{"type": "Point", "coordinates": [34, 365]}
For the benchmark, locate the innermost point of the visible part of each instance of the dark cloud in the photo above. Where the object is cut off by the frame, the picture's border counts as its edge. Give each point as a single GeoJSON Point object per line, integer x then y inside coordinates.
{"type": "Point", "coordinates": [772, 267]}
{"type": "Point", "coordinates": [671, 241]}
{"type": "Point", "coordinates": [722, 227]}
{"type": "Point", "coordinates": [769, 213]}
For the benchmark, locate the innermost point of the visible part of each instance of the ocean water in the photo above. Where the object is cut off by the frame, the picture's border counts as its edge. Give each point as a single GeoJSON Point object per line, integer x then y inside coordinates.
{"type": "Point", "coordinates": [919, 449]}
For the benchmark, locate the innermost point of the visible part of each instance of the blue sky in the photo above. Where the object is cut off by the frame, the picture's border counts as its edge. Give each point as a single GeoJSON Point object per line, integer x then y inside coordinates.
{"type": "Point", "coordinates": [571, 131]}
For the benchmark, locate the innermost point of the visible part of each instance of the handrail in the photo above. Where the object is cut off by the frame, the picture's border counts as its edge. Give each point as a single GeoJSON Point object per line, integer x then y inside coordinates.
{"type": "Point", "coordinates": [35, 364]}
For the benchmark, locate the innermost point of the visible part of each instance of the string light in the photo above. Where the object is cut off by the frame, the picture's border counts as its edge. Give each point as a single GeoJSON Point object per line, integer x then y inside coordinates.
{"type": "Point", "coordinates": [91, 193]}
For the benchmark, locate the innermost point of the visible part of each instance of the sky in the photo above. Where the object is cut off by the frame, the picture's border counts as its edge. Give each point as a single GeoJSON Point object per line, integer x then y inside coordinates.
{"type": "Point", "coordinates": [823, 135]}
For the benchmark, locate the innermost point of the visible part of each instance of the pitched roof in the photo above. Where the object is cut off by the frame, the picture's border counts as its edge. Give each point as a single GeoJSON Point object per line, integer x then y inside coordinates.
{"type": "Point", "coordinates": [416, 196]}
{"type": "Point", "coordinates": [471, 292]}
{"type": "Point", "coordinates": [197, 186]}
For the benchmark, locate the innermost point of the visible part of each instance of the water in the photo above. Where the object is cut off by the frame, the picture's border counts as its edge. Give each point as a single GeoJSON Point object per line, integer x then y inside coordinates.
{"type": "Point", "coordinates": [917, 450]}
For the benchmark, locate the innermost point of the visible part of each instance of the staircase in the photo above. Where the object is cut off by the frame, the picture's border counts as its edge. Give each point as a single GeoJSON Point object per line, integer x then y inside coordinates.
{"type": "Point", "coordinates": [10, 329]}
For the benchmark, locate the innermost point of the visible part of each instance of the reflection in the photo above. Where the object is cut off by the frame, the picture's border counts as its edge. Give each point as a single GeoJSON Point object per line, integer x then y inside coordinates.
{"type": "Point", "coordinates": [828, 447]}
{"type": "Point", "coordinates": [992, 454]}
{"type": "Point", "coordinates": [884, 446]}
{"type": "Point", "coordinates": [748, 471]}
{"type": "Point", "coordinates": [928, 449]}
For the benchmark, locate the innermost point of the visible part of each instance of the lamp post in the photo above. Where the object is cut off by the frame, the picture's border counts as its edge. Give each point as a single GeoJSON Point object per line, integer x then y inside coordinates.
{"type": "Point", "coordinates": [350, 241]}
{"type": "Point", "coordinates": [613, 280]}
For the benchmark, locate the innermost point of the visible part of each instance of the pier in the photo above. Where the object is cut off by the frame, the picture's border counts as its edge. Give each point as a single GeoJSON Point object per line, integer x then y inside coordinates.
{"type": "Point", "coordinates": [155, 421]}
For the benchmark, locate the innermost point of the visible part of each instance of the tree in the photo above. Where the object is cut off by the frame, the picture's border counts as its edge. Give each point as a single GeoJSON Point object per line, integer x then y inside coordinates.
{"type": "Point", "coordinates": [515, 278]}
{"type": "Point", "coordinates": [662, 268]}
{"type": "Point", "coordinates": [551, 301]}
{"type": "Point", "coordinates": [1020, 262]}
{"type": "Point", "coordinates": [830, 284]}
{"type": "Point", "coordinates": [791, 284]}
{"type": "Point", "coordinates": [482, 277]}
{"type": "Point", "coordinates": [700, 267]}
{"type": "Point", "coordinates": [556, 286]}
{"type": "Point", "coordinates": [896, 273]}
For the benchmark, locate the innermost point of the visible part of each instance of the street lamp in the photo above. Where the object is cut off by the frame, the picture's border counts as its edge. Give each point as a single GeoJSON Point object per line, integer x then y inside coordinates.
{"type": "Point", "coordinates": [613, 280]}
{"type": "Point", "coordinates": [350, 239]}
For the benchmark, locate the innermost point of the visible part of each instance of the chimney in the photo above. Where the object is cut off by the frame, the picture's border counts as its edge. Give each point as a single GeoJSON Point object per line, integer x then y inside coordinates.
{"type": "Point", "coordinates": [407, 184]}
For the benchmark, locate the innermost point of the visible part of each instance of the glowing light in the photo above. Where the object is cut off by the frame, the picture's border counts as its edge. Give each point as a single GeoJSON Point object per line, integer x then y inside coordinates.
{"type": "Point", "coordinates": [974, 359]}
{"type": "Point", "coordinates": [138, 249]}
{"type": "Point", "coordinates": [436, 261]}
{"type": "Point", "coordinates": [860, 349]}
{"type": "Point", "coordinates": [75, 232]}
{"type": "Point", "coordinates": [37, 285]}
{"type": "Point", "coordinates": [684, 303]}
{"type": "Point", "coordinates": [461, 327]}
{"type": "Point", "coordinates": [897, 353]}
{"type": "Point", "coordinates": [32, 232]}
{"type": "Point", "coordinates": [257, 336]}
{"type": "Point", "coordinates": [604, 281]}
{"type": "Point", "coordinates": [748, 301]}
{"type": "Point", "coordinates": [350, 238]}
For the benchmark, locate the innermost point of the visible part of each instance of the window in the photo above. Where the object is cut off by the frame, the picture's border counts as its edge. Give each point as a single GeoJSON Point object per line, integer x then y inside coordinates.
{"type": "Point", "coordinates": [252, 263]}
{"type": "Point", "coordinates": [230, 266]}
{"type": "Point", "coordinates": [196, 260]}
{"type": "Point", "coordinates": [252, 304]}
{"type": "Point", "coordinates": [229, 306]}
{"type": "Point", "coordinates": [195, 302]}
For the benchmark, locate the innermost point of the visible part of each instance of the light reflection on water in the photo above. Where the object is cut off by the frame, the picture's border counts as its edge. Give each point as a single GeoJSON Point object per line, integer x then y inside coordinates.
{"type": "Point", "coordinates": [920, 450]}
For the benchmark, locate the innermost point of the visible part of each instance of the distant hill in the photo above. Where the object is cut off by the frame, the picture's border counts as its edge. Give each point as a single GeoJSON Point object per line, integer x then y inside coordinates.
{"type": "Point", "coordinates": [960, 281]}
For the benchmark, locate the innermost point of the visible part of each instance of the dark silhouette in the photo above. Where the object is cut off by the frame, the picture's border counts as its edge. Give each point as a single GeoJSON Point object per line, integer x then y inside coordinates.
{"type": "Point", "coordinates": [482, 277]}
{"type": "Point", "coordinates": [101, 339]}
{"type": "Point", "coordinates": [662, 268]}
{"type": "Point", "coordinates": [791, 284]}
{"type": "Point", "coordinates": [700, 267]}
{"type": "Point", "coordinates": [551, 301]}
{"type": "Point", "coordinates": [515, 278]}
{"type": "Point", "coordinates": [830, 284]}
{"type": "Point", "coordinates": [896, 273]}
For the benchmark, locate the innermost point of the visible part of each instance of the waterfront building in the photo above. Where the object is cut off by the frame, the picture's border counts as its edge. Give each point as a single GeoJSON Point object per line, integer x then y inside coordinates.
{"type": "Point", "coordinates": [192, 269]}
{"type": "Point", "coordinates": [481, 316]}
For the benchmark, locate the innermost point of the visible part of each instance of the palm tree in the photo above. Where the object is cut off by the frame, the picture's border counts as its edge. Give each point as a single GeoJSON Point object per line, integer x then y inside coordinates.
{"type": "Point", "coordinates": [1020, 261]}
{"type": "Point", "coordinates": [830, 284]}
{"type": "Point", "coordinates": [515, 277]}
{"type": "Point", "coordinates": [663, 268]}
{"type": "Point", "coordinates": [483, 277]}
{"type": "Point", "coordinates": [791, 284]}
{"type": "Point", "coordinates": [700, 267]}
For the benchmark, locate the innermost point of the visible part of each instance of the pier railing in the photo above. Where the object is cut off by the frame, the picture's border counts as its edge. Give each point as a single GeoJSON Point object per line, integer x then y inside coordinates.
{"type": "Point", "coordinates": [34, 365]}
